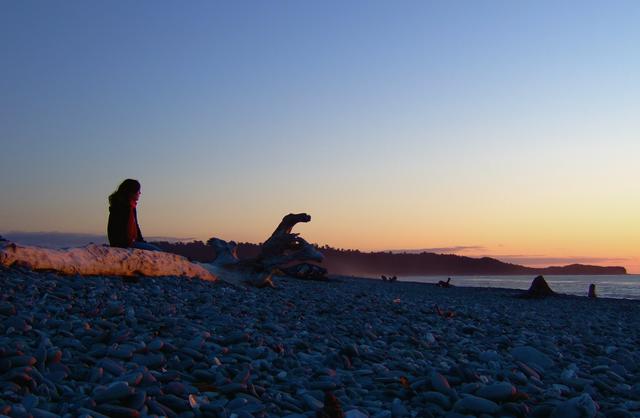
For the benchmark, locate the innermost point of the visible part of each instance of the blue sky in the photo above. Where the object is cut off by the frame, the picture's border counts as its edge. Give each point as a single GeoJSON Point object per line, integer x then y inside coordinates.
{"type": "Point", "coordinates": [395, 124]}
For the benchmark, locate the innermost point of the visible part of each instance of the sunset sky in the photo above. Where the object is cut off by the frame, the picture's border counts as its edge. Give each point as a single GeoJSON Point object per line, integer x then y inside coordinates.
{"type": "Point", "coordinates": [501, 128]}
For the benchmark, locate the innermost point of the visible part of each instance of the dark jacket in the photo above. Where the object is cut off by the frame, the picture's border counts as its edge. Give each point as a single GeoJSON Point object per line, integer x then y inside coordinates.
{"type": "Point", "coordinates": [118, 222]}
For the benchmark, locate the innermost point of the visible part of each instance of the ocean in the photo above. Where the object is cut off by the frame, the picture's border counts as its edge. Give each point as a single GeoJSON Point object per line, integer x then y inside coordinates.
{"type": "Point", "coordinates": [614, 286]}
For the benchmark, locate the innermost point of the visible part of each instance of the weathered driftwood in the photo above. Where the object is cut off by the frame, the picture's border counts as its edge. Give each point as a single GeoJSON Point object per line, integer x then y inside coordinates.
{"type": "Point", "coordinates": [284, 247]}
{"type": "Point", "coordinates": [98, 260]}
{"type": "Point", "coordinates": [277, 253]}
{"type": "Point", "coordinates": [231, 269]}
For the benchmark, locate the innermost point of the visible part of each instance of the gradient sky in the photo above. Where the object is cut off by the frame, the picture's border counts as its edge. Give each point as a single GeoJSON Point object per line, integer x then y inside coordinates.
{"type": "Point", "coordinates": [508, 128]}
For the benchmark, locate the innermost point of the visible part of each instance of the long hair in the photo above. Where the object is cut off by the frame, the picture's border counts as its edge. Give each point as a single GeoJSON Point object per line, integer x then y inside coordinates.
{"type": "Point", "coordinates": [125, 191]}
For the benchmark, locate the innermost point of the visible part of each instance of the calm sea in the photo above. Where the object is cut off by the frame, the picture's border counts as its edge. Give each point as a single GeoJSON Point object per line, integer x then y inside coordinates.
{"type": "Point", "coordinates": [618, 286]}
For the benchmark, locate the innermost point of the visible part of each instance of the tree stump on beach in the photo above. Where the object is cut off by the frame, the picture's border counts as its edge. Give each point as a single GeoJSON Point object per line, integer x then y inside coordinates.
{"type": "Point", "coordinates": [539, 289]}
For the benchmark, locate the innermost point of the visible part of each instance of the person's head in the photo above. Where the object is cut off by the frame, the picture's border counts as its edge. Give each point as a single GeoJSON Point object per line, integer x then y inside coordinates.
{"type": "Point", "coordinates": [129, 190]}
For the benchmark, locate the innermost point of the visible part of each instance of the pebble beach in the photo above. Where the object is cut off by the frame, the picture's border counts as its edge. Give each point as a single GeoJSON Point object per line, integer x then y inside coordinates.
{"type": "Point", "coordinates": [73, 346]}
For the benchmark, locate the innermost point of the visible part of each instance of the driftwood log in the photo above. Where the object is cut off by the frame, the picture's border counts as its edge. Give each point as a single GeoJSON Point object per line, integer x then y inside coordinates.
{"type": "Point", "coordinates": [100, 260]}
{"type": "Point", "coordinates": [278, 253]}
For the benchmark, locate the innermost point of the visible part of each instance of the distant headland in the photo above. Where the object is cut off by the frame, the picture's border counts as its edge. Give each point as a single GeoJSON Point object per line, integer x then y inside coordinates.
{"type": "Point", "coordinates": [355, 262]}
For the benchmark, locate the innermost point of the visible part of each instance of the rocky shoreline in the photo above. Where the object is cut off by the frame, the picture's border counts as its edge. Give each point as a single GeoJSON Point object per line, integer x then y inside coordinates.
{"type": "Point", "coordinates": [106, 346]}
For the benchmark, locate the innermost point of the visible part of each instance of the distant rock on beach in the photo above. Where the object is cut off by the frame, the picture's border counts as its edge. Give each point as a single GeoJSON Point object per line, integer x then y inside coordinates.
{"type": "Point", "coordinates": [539, 289]}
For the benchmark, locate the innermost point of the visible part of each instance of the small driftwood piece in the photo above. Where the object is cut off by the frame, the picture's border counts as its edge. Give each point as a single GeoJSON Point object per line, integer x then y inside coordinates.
{"type": "Point", "coordinates": [445, 284]}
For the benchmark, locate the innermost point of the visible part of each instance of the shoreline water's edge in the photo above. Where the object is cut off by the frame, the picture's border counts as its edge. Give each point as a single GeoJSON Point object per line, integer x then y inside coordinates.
{"type": "Point", "coordinates": [608, 287]}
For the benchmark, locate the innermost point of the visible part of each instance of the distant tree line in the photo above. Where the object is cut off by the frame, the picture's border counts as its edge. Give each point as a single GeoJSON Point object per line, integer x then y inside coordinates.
{"type": "Point", "coordinates": [357, 263]}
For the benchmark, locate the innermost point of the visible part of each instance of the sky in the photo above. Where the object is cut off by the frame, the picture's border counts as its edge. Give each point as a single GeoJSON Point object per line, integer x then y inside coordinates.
{"type": "Point", "coordinates": [495, 128]}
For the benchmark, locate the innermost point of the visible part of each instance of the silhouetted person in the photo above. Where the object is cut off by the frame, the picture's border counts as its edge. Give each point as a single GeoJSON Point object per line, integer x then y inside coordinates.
{"type": "Point", "coordinates": [123, 229]}
{"type": "Point", "coordinates": [592, 291]}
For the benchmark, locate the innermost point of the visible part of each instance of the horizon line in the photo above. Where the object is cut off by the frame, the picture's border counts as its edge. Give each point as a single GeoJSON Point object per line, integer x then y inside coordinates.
{"type": "Point", "coordinates": [58, 239]}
